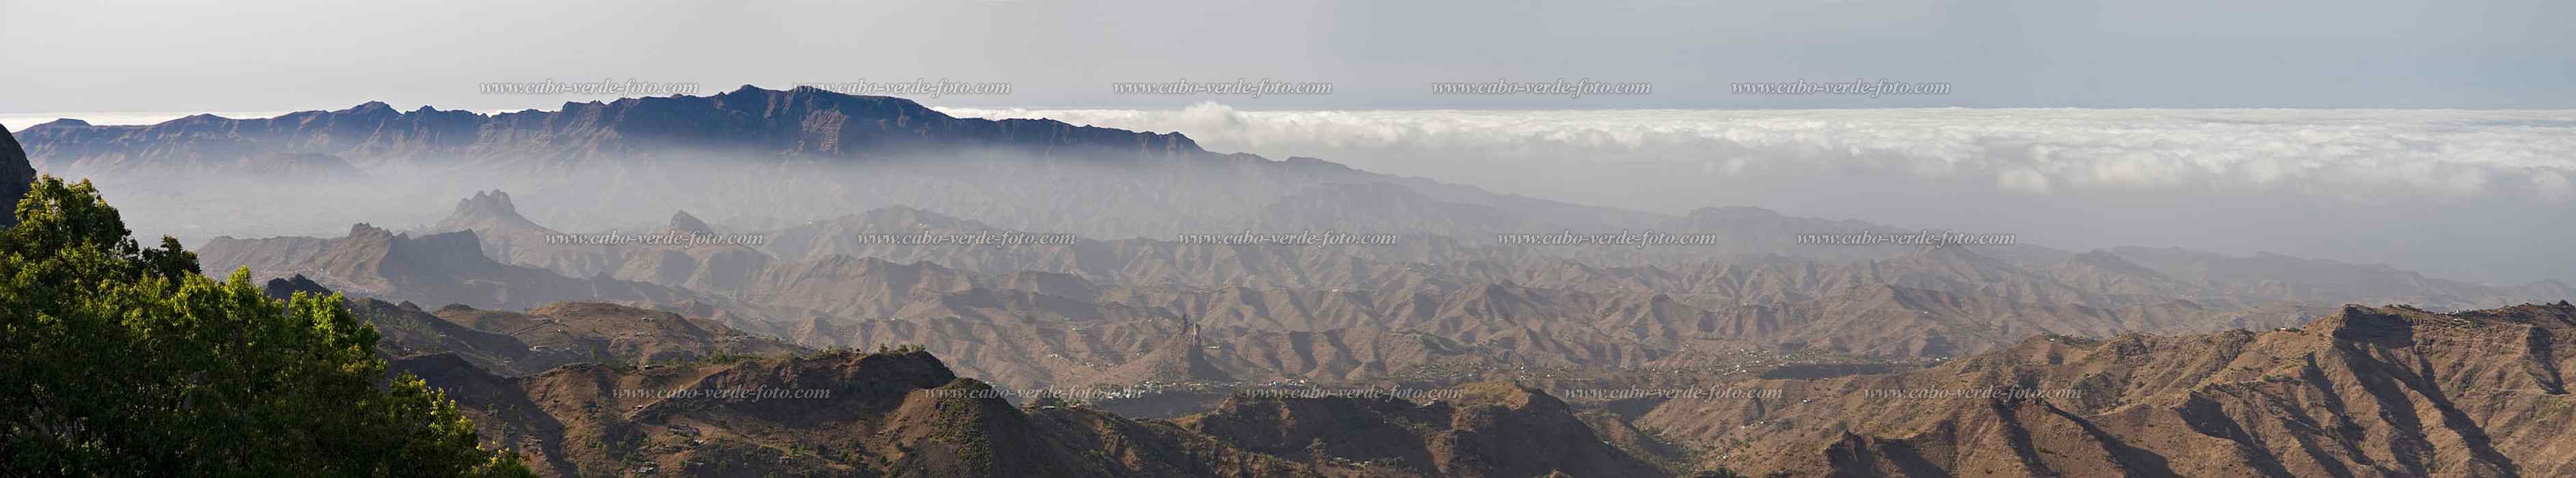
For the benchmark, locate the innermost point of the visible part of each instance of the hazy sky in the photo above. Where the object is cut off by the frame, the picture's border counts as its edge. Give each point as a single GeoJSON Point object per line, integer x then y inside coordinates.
{"type": "Point", "coordinates": [2484, 195]}
{"type": "Point", "coordinates": [290, 55]}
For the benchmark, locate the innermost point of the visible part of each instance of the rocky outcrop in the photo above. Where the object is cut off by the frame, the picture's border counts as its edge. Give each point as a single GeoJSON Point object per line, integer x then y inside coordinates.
{"type": "Point", "coordinates": [511, 238]}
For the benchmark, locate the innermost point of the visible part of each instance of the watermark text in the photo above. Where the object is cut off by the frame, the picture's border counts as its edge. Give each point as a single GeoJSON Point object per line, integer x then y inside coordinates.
{"type": "Point", "coordinates": [1855, 87]}
{"type": "Point", "coordinates": [978, 238]}
{"type": "Point", "coordinates": [749, 394]}
{"type": "Point", "coordinates": [1918, 238]}
{"type": "Point", "coordinates": [1559, 87]}
{"type": "Point", "coordinates": [1300, 238]}
{"type": "Point", "coordinates": [630, 87]}
{"type": "Point", "coordinates": [1240, 86]}
{"type": "Point", "coordinates": [922, 87]}
{"type": "Point", "coordinates": [665, 238]}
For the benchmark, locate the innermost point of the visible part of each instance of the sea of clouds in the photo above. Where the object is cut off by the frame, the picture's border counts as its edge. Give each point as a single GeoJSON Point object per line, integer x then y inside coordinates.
{"type": "Point", "coordinates": [2472, 194]}
{"type": "Point", "coordinates": [2482, 195]}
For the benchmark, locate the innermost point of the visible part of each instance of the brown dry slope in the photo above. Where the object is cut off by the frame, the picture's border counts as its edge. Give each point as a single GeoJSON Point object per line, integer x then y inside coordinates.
{"type": "Point", "coordinates": [885, 414]}
{"type": "Point", "coordinates": [612, 333]}
{"type": "Point", "coordinates": [2390, 391]}
{"type": "Point", "coordinates": [516, 343]}
{"type": "Point", "coordinates": [526, 343]}
{"type": "Point", "coordinates": [1492, 429]}
{"type": "Point", "coordinates": [904, 414]}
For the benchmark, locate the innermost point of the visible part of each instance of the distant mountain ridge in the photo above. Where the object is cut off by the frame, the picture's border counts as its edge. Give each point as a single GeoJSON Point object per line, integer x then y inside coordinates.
{"type": "Point", "coordinates": [1053, 314]}
{"type": "Point", "coordinates": [1098, 182]}
{"type": "Point", "coordinates": [446, 268]}
{"type": "Point", "coordinates": [1447, 294]}
{"type": "Point", "coordinates": [796, 146]}
{"type": "Point", "coordinates": [804, 123]}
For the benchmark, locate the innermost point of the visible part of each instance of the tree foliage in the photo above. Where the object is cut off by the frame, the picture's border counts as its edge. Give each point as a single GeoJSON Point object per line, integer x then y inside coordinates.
{"type": "Point", "coordinates": [118, 359]}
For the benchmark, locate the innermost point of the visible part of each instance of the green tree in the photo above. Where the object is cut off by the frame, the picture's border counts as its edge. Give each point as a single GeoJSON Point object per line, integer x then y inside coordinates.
{"type": "Point", "coordinates": [117, 359]}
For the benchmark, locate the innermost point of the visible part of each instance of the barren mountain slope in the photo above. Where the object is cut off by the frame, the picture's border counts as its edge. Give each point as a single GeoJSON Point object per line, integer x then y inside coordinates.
{"type": "Point", "coordinates": [2391, 391]}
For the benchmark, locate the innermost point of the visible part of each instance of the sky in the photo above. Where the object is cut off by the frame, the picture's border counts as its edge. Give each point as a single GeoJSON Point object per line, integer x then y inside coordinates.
{"type": "Point", "coordinates": [267, 56]}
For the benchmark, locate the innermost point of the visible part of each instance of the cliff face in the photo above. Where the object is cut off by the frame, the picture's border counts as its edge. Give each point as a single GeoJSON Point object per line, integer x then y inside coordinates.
{"type": "Point", "coordinates": [15, 175]}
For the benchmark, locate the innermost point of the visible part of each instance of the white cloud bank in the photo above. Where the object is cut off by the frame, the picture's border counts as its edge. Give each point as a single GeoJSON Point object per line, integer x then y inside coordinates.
{"type": "Point", "coordinates": [2471, 193]}
{"type": "Point", "coordinates": [2036, 151]}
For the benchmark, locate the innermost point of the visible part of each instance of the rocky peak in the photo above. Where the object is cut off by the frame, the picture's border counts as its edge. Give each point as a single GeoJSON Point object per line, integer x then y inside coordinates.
{"type": "Point", "coordinates": [364, 230]}
{"type": "Point", "coordinates": [286, 287]}
{"type": "Point", "coordinates": [487, 210]}
{"type": "Point", "coordinates": [198, 118]}
{"type": "Point", "coordinates": [371, 108]}
{"type": "Point", "coordinates": [1181, 357]}
{"type": "Point", "coordinates": [485, 204]}
{"type": "Point", "coordinates": [2392, 326]}
{"type": "Point", "coordinates": [683, 222]}
{"type": "Point", "coordinates": [61, 123]}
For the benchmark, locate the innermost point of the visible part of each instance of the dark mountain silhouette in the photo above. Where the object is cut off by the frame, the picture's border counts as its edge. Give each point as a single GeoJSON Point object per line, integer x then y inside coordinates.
{"type": "Point", "coordinates": [15, 174]}
{"type": "Point", "coordinates": [801, 123]}
{"type": "Point", "coordinates": [287, 287]}
{"type": "Point", "coordinates": [683, 222]}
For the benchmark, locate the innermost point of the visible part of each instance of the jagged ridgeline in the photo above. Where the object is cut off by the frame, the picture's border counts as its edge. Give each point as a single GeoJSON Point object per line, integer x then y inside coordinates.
{"type": "Point", "coordinates": [2366, 391]}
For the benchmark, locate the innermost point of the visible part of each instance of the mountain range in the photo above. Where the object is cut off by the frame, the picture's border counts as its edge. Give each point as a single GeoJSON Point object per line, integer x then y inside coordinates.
{"type": "Point", "coordinates": [2366, 391]}
{"type": "Point", "coordinates": [1917, 360]}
